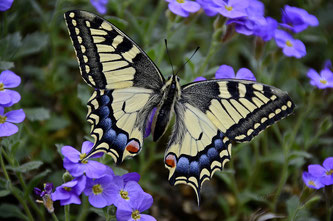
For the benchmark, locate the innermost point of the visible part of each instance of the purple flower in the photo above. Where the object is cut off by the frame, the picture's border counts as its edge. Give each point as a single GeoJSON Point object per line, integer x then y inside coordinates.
{"type": "Point", "coordinates": [289, 45]}
{"type": "Point", "coordinates": [122, 191]}
{"type": "Point", "coordinates": [226, 71]}
{"type": "Point", "coordinates": [232, 8]}
{"type": "Point", "coordinates": [324, 173]}
{"type": "Point", "coordinates": [7, 128]}
{"type": "Point", "coordinates": [68, 193]}
{"type": "Point", "coordinates": [312, 181]}
{"type": "Point", "coordinates": [100, 5]}
{"type": "Point", "coordinates": [46, 196]}
{"type": "Point", "coordinates": [297, 19]}
{"type": "Point", "coordinates": [209, 7]}
{"type": "Point", "coordinates": [99, 191]}
{"type": "Point", "coordinates": [9, 79]}
{"type": "Point", "coordinates": [132, 210]}
{"type": "Point", "coordinates": [5, 4]}
{"type": "Point", "coordinates": [183, 7]}
{"type": "Point", "coordinates": [76, 166]}
{"type": "Point", "coordinates": [322, 81]}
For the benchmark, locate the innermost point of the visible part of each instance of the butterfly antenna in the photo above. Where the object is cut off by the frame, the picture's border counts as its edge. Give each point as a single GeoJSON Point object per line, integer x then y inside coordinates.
{"type": "Point", "coordinates": [166, 46]}
{"type": "Point", "coordinates": [188, 60]}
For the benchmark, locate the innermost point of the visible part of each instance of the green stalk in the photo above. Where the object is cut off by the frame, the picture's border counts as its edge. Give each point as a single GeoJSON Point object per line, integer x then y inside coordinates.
{"type": "Point", "coordinates": [54, 217]}
{"type": "Point", "coordinates": [15, 191]}
{"type": "Point", "coordinates": [213, 48]}
{"type": "Point", "coordinates": [67, 213]}
{"type": "Point", "coordinates": [84, 209]}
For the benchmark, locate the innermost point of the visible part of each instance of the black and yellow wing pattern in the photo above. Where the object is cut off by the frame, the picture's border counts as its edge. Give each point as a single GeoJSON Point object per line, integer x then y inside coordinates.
{"type": "Point", "coordinates": [127, 83]}
{"type": "Point", "coordinates": [128, 86]}
{"type": "Point", "coordinates": [209, 115]}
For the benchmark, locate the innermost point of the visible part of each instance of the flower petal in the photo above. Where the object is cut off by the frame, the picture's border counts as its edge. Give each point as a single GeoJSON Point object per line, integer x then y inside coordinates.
{"type": "Point", "coordinates": [5, 4]}
{"type": "Point", "coordinates": [86, 146]}
{"type": "Point", "coordinates": [316, 170]}
{"type": "Point", "coordinates": [175, 8]}
{"type": "Point", "coordinates": [7, 129]}
{"type": "Point", "coordinates": [245, 74]}
{"type": "Point", "coordinates": [145, 217]}
{"type": "Point", "coordinates": [15, 116]}
{"type": "Point", "coordinates": [9, 79]}
{"type": "Point", "coordinates": [94, 169]}
{"type": "Point", "coordinates": [5, 97]}
{"type": "Point", "coordinates": [14, 97]}
{"type": "Point", "coordinates": [71, 153]}
{"type": "Point", "coordinates": [225, 71]}
{"type": "Point", "coordinates": [97, 201]}
{"type": "Point", "coordinates": [74, 199]}
{"type": "Point", "coordinates": [199, 79]}
{"type": "Point", "coordinates": [328, 163]}
{"type": "Point", "coordinates": [131, 177]}
{"type": "Point", "coordinates": [190, 6]}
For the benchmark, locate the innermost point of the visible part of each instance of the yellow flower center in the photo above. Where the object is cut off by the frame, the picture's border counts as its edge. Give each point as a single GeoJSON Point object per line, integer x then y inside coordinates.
{"type": "Point", "coordinates": [330, 172]}
{"type": "Point", "coordinates": [2, 87]}
{"type": "Point", "coordinates": [67, 188]}
{"type": "Point", "coordinates": [82, 156]}
{"type": "Point", "coordinates": [97, 189]}
{"type": "Point", "coordinates": [136, 215]}
{"type": "Point", "coordinates": [229, 8]}
{"type": "Point", "coordinates": [124, 194]}
{"type": "Point", "coordinates": [312, 183]}
{"type": "Point", "coordinates": [323, 81]}
{"type": "Point", "coordinates": [289, 44]}
{"type": "Point", "coordinates": [3, 119]}
{"type": "Point", "coordinates": [180, 1]}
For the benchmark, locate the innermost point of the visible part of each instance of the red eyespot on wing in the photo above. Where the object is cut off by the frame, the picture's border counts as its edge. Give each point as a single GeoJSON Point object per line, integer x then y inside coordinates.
{"type": "Point", "coordinates": [133, 146]}
{"type": "Point", "coordinates": [170, 160]}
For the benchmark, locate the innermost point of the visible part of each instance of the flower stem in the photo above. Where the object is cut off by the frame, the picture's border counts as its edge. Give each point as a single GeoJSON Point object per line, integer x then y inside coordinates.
{"type": "Point", "coordinates": [211, 51]}
{"type": "Point", "coordinates": [67, 214]}
{"type": "Point", "coordinates": [54, 216]}
{"type": "Point", "coordinates": [327, 201]}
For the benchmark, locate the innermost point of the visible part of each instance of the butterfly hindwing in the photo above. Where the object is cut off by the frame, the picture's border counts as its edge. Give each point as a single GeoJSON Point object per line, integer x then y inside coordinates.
{"type": "Point", "coordinates": [109, 59]}
{"type": "Point", "coordinates": [197, 149]}
{"type": "Point", "coordinates": [118, 119]}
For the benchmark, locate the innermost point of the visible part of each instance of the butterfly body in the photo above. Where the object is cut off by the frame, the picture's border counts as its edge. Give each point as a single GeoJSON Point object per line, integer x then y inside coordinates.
{"type": "Point", "coordinates": [209, 114]}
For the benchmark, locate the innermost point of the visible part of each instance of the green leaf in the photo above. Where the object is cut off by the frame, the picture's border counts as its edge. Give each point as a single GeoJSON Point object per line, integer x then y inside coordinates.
{"type": "Point", "coordinates": [4, 193]}
{"type": "Point", "coordinates": [292, 205]}
{"type": "Point", "coordinates": [5, 65]}
{"type": "Point", "coordinates": [10, 45]}
{"type": "Point", "coordinates": [32, 43]}
{"type": "Point", "coordinates": [27, 166]}
{"type": "Point", "coordinates": [57, 123]}
{"type": "Point", "coordinates": [9, 210]}
{"type": "Point", "coordinates": [37, 114]}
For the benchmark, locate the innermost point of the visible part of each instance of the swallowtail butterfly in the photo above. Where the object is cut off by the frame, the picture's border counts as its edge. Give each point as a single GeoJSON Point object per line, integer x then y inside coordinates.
{"type": "Point", "coordinates": [209, 114]}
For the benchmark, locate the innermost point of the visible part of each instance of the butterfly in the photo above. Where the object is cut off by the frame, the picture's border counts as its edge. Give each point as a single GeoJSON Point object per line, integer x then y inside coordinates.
{"type": "Point", "coordinates": [129, 87]}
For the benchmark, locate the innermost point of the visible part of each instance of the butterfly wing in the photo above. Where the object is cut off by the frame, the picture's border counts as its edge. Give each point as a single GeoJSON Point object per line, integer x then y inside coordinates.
{"type": "Point", "coordinates": [109, 59]}
{"type": "Point", "coordinates": [127, 84]}
{"type": "Point", "coordinates": [209, 115]}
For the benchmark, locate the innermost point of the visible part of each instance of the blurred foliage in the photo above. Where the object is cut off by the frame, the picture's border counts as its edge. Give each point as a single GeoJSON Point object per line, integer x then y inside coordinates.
{"type": "Point", "coordinates": [263, 181]}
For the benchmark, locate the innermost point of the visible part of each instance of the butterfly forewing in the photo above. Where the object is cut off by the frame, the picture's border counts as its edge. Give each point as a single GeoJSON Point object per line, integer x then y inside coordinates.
{"type": "Point", "coordinates": [108, 58]}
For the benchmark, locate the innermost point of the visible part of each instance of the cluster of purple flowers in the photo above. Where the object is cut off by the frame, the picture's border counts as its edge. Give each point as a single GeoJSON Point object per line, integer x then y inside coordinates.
{"type": "Point", "coordinates": [324, 79]}
{"type": "Point", "coordinates": [8, 98]}
{"type": "Point", "coordinates": [319, 175]}
{"type": "Point", "coordinates": [101, 185]}
{"type": "Point", "coordinates": [227, 72]}
{"type": "Point", "coordinates": [248, 18]}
